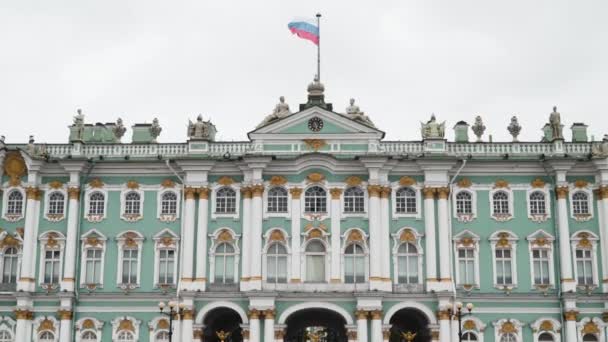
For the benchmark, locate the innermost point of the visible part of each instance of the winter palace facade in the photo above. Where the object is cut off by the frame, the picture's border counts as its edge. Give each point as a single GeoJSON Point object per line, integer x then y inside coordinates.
{"type": "Point", "coordinates": [313, 229]}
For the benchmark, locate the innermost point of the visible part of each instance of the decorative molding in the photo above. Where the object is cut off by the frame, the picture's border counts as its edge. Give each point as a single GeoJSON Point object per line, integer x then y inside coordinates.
{"type": "Point", "coordinates": [315, 177]}
{"type": "Point", "coordinates": [538, 183]}
{"type": "Point", "coordinates": [96, 183]}
{"type": "Point", "coordinates": [407, 181]}
{"type": "Point", "coordinates": [295, 192]}
{"type": "Point", "coordinates": [168, 183]}
{"type": "Point", "coordinates": [580, 183]}
{"type": "Point", "coordinates": [501, 183]}
{"type": "Point", "coordinates": [335, 193]}
{"type": "Point", "coordinates": [315, 144]}
{"type": "Point", "coordinates": [55, 184]}
{"type": "Point", "coordinates": [14, 168]}
{"type": "Point", "coordinates": [225, 181]}
{"type": "Point", "coordinates": [464, 183]}
{"type": "Point", "coordinates": [278, 180]}
{"type": "Point", "coordinates": [353, 181]}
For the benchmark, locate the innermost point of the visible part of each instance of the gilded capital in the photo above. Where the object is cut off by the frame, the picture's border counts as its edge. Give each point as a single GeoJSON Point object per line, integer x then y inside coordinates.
{"type": "Point", "coordinates": [279, 334]}
{"type": "Point", "coordinates": [561, 192]}
{"type": "Point", "coordinates": [376, 314]}
{"type": "Point", "coordinates": [295, 192]}
{"type": "Point", "coordinates": [74, 193]}
{"type": "Point", "coordinates": [429, 193]}
{"type": "Point", "coordinates": [65, 315]}
{"type": "Point", "coordinates": [386, 334]}
{"type": "Point", "coordinates": [385, 192]}
{"type": "Point", "coordinates": [361, 314]}
{"type": "Point", "coordinates": [352, 335]}
{"type": "Point", "coordinates": [188, 314]}
{"type": "Point", "coordinates": [203, 193]}
{"type": "Point", "coordinates": [602, 192]}
{"type": "Point", "coordinates": [24, 314]}
{"type": "Point", "coordinates": [254, 314]}
{"type": "Point", "coordinates": [443, 315]}
{"type": "Point", "coordinates": [246, 192]}
{"type": "Point", "coordinates": [190, 192]}
{"type": "Point", "coordinates": [374, 190]}
{"type": "Point", "coordinates": [257, 190]}
{"type": "Point", "coordinates": [443, 192]}
{"type": "Point", "coordinates": [269, 314]}
{"type": "Point", "coordinates": [570, 315]}
{"type": "Point", "coordinates": [335, 193]}
{"type": "Point", "coordinates": [33, 192]}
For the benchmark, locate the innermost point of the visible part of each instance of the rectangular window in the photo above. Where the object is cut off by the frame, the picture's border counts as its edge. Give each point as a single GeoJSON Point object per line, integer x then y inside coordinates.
{"type": "Point", "coordinates": [129, 266]}
{"type": "Point", "coordinates": [52, 268]}
{"type": "Point", "coordinates": [93, 266]}
{"type": "Point", "coordinates": [504, 269]}
{"type": "Point", "coordinates": [584, 267]}
{"type": "Point", "coordinates": [466, 266]}
{"type": "Point", "coordinates": [166, 265]}
{"type": "Point", "coordinates": [540, 263]}
{"type": "Point", "coordinates": [277, 204]}
{"type": "Point", "coordinates": [315, 268]}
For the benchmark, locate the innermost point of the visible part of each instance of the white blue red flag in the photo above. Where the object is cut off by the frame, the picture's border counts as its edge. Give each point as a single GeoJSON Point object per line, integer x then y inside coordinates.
{"type": "Point", "coordinates": [305, 29]}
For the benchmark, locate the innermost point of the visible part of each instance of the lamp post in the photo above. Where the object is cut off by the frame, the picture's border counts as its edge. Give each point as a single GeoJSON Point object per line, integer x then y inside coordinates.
{"type": "Point", "coordinates": [174, 309]}
{"type": "Point", "coordinates": [459, 314]}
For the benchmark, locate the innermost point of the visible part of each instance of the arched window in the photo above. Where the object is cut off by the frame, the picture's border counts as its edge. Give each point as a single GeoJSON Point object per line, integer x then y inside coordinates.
{"type": "Point", "coordinates": [130, 260]}
{"type": "Point", "coordinates": [537, 203]}
{"type": "Point", "coordinates": [125, 336]}
{"type": "Point", "coordinates": [132, 203]}
{"type": "Point", "coordinates": [464, 203]}
{"type": "Point", "coordinates": [580, 203]}
{"type": "Point", "coordinates": [168, 203]}
{"type": "Point", "coordinates": [354, 264]}
{"type": "Point", "coordinates": [584, 266]}
{"type": "Point", "coordinates": [14, 205]}
{"type": "Point", "coordinates": [166, 265]}
{"type": "Point", "coordinates": [225, 201]}
{"type": "Point", "coordinates": [96, 203]}
{"type": "Point", "coordinates": [162, 336]}
{"type": "Point", "coordinates": [56, 203]}
{"type": "Point", "coordinates": [510, 337]}
{"type": "Point", "coordinates": [52, 266]}
{"type": "Point", "coordinates": [5, 336]}
{"type": "Point", "coordinates": [88, 336]}
{"type": "Point", "coordinates": [315, 262]}
{"type": "Point", "coordinates": [277, 200]}
{"type": "Point", "coordinates": [224, 263]}
{"type": "Point", "coordinates": [276, 263]}
{"type": "Point", "coordinates": [545, 337]}
{"type": "Point", "coordinates": [407, 260]}
{"type": "Point", "coordinates": [315, 200]}
{"type": "Point", "coordinates": [469, 337]}
{"type": "Point", "coordinates": [10, 261]}
{"type": "Point", "coordinates": [354, 200]}
{"type": "Point", "coordinates": [590, 338]}
{"type": "Point", "coordinates": [500, 201]}
{"type": "Point", "coordinates": [405, 200]}
{"type": "Point", "coordinates": [46, 336]}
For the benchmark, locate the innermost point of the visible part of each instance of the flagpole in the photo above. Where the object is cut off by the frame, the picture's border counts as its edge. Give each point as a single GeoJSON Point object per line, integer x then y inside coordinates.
{"type": "Point", "coordinates": [319, 47]}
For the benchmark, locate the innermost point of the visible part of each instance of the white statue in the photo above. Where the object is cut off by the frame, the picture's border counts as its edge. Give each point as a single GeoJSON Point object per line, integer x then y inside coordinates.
{"type": "Point", "coordinates": [201, 130]}
{"type": "Point", "coordinates": [600, 149]}
{"type": "Point", "coordinates": [556, 125]}
{"type": "Point", "coordinates": [432, 129]}
{"type": "Point", "coordinates": [280, 111]}
{"type": "Point", "coordinates": [354, 112]}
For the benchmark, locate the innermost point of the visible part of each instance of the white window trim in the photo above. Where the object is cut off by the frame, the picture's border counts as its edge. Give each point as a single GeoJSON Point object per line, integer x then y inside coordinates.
{"type": "Point", "coordinates": [13, 218]}
{"type": "Point", "coordinates": [121, 241]}
{"type": "Point", "coordinates": [36, 326]}
{"type": "Point", "coordinates": [548, 246]}
{"type": "Point", "coordinates": [60, 246]}
{"type": "Point", "coordinates": [153, 327]}
{"type": "Point", "coordinates": [539, 218]}
{"type": "Point", "coordinates": [303, 255]}
{"type": "Point", "coordinates": [215, 241]}
{"type": "Point", "coordinates": [365, 213]}
{"type": "Point", "coordinates": [87, 204]}
{"type": "Point", "coordinates": [498, 326]}
{"type": "Point", "coordinates": [395, 186]}
{"type": "Point", "coordinates": [537, 331]}
{"type": "Point", "coordinates": [465, 218]}
{"type": "Point", "coordinates": [237, 189]}
{"type": "Point", "coordinates": [80, 330]}
{"type": "Point", "coordinates": [512, 238]}
{"type": "Point", "coordinates": [510, 215]}
{"type": "Point", "coordinates": [397, 241]}
{"type": "Point", "coordinates": [268, 214]}
{"type": "Point", "coordinates": [319, 216]}
{"type": "Point", "coordinates": [601, 337]}
{"type": "Point", "coordinates": [457, 246]}
{"type": "Point", "coordinates": [363, 243]}
{"type": "Point", "coordinates": [84, 247]}
{"type": "Point", "coordinates": [590, 203]}
{"type": "Point", "coordinates": [123, 201]}
{"type": "Point", "coordinates": [19, 248]}
{"type": "Point", "coordinates": [116, 324]}
{"type": "Point", "coordinates": [8, 324]}
{"type": "Point", "coordinates": [480, 327]}
{"type": "Point", "coordinates": [159, 205]}
{"type": "Point", "coordinates": [574, 241]}
{"type": "Point", "coordinates": [47, 197]}
{"type": "Point", "coordinates": [159, 244]}
{"type": "Point", "coordinates": [267, 242]}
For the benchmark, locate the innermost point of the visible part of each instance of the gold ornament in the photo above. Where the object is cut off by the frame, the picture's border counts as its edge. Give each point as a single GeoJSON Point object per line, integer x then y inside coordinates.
{"type": "Point", "coordinates": [429, 193]}
{"type": "Point", "coordinates": [464, 183]}
{"type": "Point", "coordinates": [584, 241]}
{"type": "Point", "coordinates": [315, 177]}
{"type": "Point", "coordinates": [46, 324]}
{"type": "Point", "coordinates": [276, 235]}
{"type": "Point", "coordinates": [224, 236]}
{"type": "Point", "coordinates": [257, 190]}
{"type": "Point", "coordinates": [469, 325]}
{"type": "Point", "coordinates": [132, 185]}
{"type": "Point", "coordinates": [407, 236]}
{"type": "Point", "coordinates": [353, 181]}
{"type": "Point", "coordinates": [65, 315]}
{"type": "Point", "coordinates": [374, 190]}
{"type": "Point", "coordinates": [467, 241]}
{"type": "Point", "coordinates": [94, 241]}
{"type": "Point", "coordinates": [14, 167]}
{"type": "Point", "coordinates": [278, 180]}
{"type": "Point", "coordinates": [355, 235]}
{"type": "Point", "coordinates": [503, 240]}
{"type": "Point", "coordinates": [315, 233]}
{"type": "Point", "coordinates": [562, 192]}
{"type": "Point", "coordinates": [190, 192]}
{"type": "Point", "coordinates": [501, 183]}
{"type": "Point", "coordinates": [126, 324]}
{"type": "Point", "coordinates": [538, 183]}
{"type": "Point", "coordinates": [385, 192]}
{"type": "Point", "coordinates": [167, 183]}
{"type": "Point", "coordinates": [581, 183]}
{"type": "Point", "coordinates": [590, 328]}
{"type": "Point", "coordinates": [570, 315]}
{"type": "Point", "coordinates": [314, 144]}
{"type": "Point", "coordinates": [74, 193]}
{"type": "Point", "coordinates": [407, 181]}
{"type": "Point", "coordinates": [443, 192]}
{"type": "Point", "coordinates": [203, 193]}
{"type": "Point", "coordinates": [295, 192]}
{"type": "Point", "coordinates": [361, 314]}
{"type": "Point", "coordinates": [508, 328]}
{"type": "Point", "coordinates": [408, 336]}
{"type": "Point", "coordinates": [96, 183]}
{"type": "Point", "coordinates": [55, 184]}
{"type": "Point", "coordinates": [88, 324]}
{"type": "Point", "coordinates": [546, 326]}
{"type": "Point", "coordinates": [225, 181]}
{"type": "Point", "coordinates": [33, 192]}
{"type": "Point", "coordinates": [335, 193]}
{"type": "Point", "coordinates": [443, 315]}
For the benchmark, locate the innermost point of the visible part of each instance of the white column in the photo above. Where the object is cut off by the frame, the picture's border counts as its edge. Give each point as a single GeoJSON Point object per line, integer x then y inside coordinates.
{"type": "Point", "coordinates": [255, 282]}
{"type": "Point", "coordinates": [65, 327]}
{"type": "Point", "coordinates": [24, 321]}
{"type": "Point", "coordinates": [30, 232]}
{"type": "Point", "coordinates": [375, 242]}
{"type": "Point", "coordinates": [454, 330]}
{"type": "Point", "coordinates": [386, 238]}
{"type": "Point", "coordinates": [444, 326]}
{"type": "Point", "coordinates": [376, 326]}
{"type": "Point", "coordinates": [188, 238]}
{"type": "Point", "coordinates": [570, 318]}
{"type": "Point", "coordinates": [336, 210]}
{"type": "Point", "coordinates": [567, 279]}
{"type": "Point", "coordinates": [429, 237]}
{"type": "Point", "coordinates": [246, 218]}
{"type": "Point", "coordinates": [187, 333]}
{"type": "Point", "coordinates": [254, 326]}
{"type": "Point", "coordinates": [602, 195]}
{"type": "Point", "coordinates": [444, 235]}
{"type": "Point", "coordinates": [201, 240]}
{"type": "Point", "coordinates": [71, 243]}
{"type": "Point", "coordinates": [361, 325]}
{"type": "Point", "coordinates": [269, 326]}
{"type": "Point", "coordinates": [296, 193]}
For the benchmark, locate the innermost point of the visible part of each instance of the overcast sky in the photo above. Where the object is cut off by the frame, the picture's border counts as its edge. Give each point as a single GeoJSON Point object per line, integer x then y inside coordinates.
{"type": "Point", "coordinates": [230, 61]}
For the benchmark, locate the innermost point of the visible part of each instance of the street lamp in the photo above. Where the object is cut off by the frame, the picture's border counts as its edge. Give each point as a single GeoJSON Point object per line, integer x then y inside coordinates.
{"type": "Point", "coordinates": [174, 309]}
{"type": "Point", "coordinates": [459, 314]}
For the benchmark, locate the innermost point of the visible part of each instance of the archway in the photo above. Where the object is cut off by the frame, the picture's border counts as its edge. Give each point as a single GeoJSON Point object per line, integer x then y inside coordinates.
{"type": "Point", "coordinates": [315, 325]}
{"type": "Point", "coordinates": [410, 320]}
{"type": "Point", "coordinates": [222, 319]}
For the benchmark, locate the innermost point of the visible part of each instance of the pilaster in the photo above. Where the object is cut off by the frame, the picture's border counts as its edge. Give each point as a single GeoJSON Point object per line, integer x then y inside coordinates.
{"type": "Point", "coordinates": [432, 281]}
{"type": "Point", "coordinates": [246, 219]}
{"type": "Point", "coordinates": [200, 282]}
{"type": "Point", "coordinates": [27, 279]}
{"type": "Point", "coordinates": [296, 194]}
{"type": "Point", "coordinates": [255, 280]}
{"type": "Point", "coordinates": [336, 276]}
{"type": "Point", "coordinates": [188, 238]}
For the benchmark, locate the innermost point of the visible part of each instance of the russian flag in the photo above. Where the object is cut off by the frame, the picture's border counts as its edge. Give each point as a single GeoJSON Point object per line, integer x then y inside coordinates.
{"type": "Point", "coordinates": [305, 29]}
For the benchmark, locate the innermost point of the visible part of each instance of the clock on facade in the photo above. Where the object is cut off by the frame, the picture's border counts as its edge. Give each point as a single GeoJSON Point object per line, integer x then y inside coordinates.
{"type": "Point", "coordinates": [315, 124]}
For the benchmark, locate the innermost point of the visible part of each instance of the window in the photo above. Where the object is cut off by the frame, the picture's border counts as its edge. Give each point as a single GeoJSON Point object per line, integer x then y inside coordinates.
{"type": "Point", "coordinates": [166, 266]}
{"type": "Point", "coordinates": [10, 262]}
{"type": "Point", "coordinates": [88, 336]}
{"type": "Point", "coordinates": [15, 203]}
{"type": "Point", "coordinates": [225, 201]}
{"type": "Point", "coordinates": [584, 266]}
{"type": "Point", "coordinates": [590, 338]}
{"type": "Point", "coordinates": [540, 264]}
{"type": "Point", "coordinates": [354, 200]}
{"type": "Point", "coordinates": [469, 337]}
{"type": "Point", "coordinates": [93, 266]}
{"type": "Point", "coordinates": [52, 267]}
{"type": "Point", "coordinates": [125, 336]}
{"type": "Point", "coordinates": [504, 266]}
{"type": "Point", "coordinates": [96, 204]}
{"type": "Point", "coordinates": [580, 203]}
{"type": "Point", "coordinates": [405, 200]}
{"type": "Point", "coordinates": [538, 203]}
{"type": "Point", "coordinates": [545, 337]}
{"type": "Point", "coordinates": [315, 200]}
{"type": "Point", "coordinates": [466, 266]}
{"type": "Point", "coordinates": [276, 263]}
{"type": "Point", "coordinates": [500, 203]}
{"type": "Point", "coordinates": [168, 203]}
{"type": "Point", "coordinates": [162, 336]}
{"type": "Point", "coordinates": [56, 203]}
{"type": "Point", "coordinates": [464, 203]}
{"type": "Point", "coordinates": [354, 264]}
{"type": "Point", "coordinates": [224, 263]}
{"type": "Point", "coordinates": [407, 260]}
{"type": "Point", "coordinates": [508, 338]}
{"type": "Point", "coordinates": [5, 336]}
{"type": "Point", "coordinates": [277, 200]}
{"type": "Point", "coordinates": [46, 336]}
{"type": "Point", "coordinates": [130, 260]}
{"type": "Point", "coordinates": [315, 262]}
{"type": "Point", "coordinates": [132, 203]}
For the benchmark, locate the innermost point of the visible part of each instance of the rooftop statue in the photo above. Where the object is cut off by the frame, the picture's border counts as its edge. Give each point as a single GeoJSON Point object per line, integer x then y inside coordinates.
{"type": "Point", "coordinates": [514, 128]}
{"type": "Point", "coordinates": [432, 129]}
{"type": "Point", "coordinates": [280, 111]}
{"type": "Point", "coordinates": [478, 128]}
{"type": "Point", "coordinates": [155, 130]}
{"type": "Point", "coordinates": [201, 130]}
{"type": "Point", "coordinates": [79, 125]}
{"type": "Point", "coordinates": [354, 112]}
{"type": "Point", "coordinates": [119, 130]}
{"type": "Point", "coordinates": [555, 122]}
{"type": "Point", "coordinates": [600, 149]}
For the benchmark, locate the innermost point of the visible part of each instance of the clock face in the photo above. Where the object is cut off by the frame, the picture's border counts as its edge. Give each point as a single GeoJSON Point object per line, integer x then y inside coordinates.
{"type": "Point", "coordinates": [315, 124]}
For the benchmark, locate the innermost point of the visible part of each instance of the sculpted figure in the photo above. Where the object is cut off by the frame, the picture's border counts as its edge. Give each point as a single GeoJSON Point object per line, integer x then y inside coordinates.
{"type": "Point", "coordinates": [556, 124]}
{"type": "Point", "coordinates": [600, 149]}
{"type": "Point", "coordinates": [354, 112]}
{"type": "Point", "coordinates": [198, 129]}
{"type": "Point", "coordinates": [119, 130]}
{"type": "Point", "coordinates": [79, 124]}
{"type": "Point", "coordinates": [432, 129]}
{"type": "Point", "coordinates": [155, 129]}
{"type": "Point", "coordinates": [280, 111]}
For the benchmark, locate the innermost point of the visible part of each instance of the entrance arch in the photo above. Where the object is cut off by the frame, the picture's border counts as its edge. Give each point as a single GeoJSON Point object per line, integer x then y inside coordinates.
{"type": "Point", "coordinates": [316, 325]}
{"type": "Point", "coordinates": [409, 320]}
{"type": "Point", "coordinates": [222, 319]}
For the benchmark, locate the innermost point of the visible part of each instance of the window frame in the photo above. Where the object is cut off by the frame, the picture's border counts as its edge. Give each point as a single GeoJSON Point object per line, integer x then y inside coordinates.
{"type": "Point", "coordinates": [131, 217]}
{"type": "Point", "coordinates": [87, 240]}
{"type": "Point", "coordinates": [327, 201]}
{"type": "Point", "coordinates": [580, 327]}
{"type": "Point", "coordinates": [18, 246]}
{"type": "Point", "coordinates": [464, 218]}
{"type": "Point", "coordinates": [5, 199]}
{"type": "Point", "coordinates": [237, 192]}
{"type": "Point", "coordinates": [224, 235]}
{"type": "Point", "coordinates": [354, 236]}
{"type": "Point", "coordinates": [538, 329]}
{"type": "Point", "coordinates": [95, 218]}
{"type": "Point", "coordinates": [408, 235]}
{"type": "Point", "coordinates": [498, 328]}
{"type": "Point", "coordinates": [326, 262]}
{"type": "Point", "coordinates": [466, 240]}
{"type": "Point", "coordinates": [539, 218]}
{"type": "Point", "coordinates": [587, 241]}
{"type": "Point", "coordinates": [502, 217]}
{"type": "Point", "coordinates": [266, 197]}
{"type": "Point", "coordinates": [166, 239]}
{"type": "Point", "coordinates": [81, 330]}
{"type": "Point", "coordinates": [51, 241]}
{"type": "Point", "coordinates": [38, 331]}
{"type": "Point", "coordinates": [55, 217]}
{"type": "Point", "coordinates": [131, 240]}
{"type": "Point", "coordinates": [159, 208]}
{"type": "Point", "coordinates": [116, 324]}
{"type": "Point", "coordinates": [364, 208]}
{"type": "Point", "coordinates": [504, 240]}
{"type": "Point", "coordinates": [542, 241]}
{"type": "Point", "coordinates": [590, 203]}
